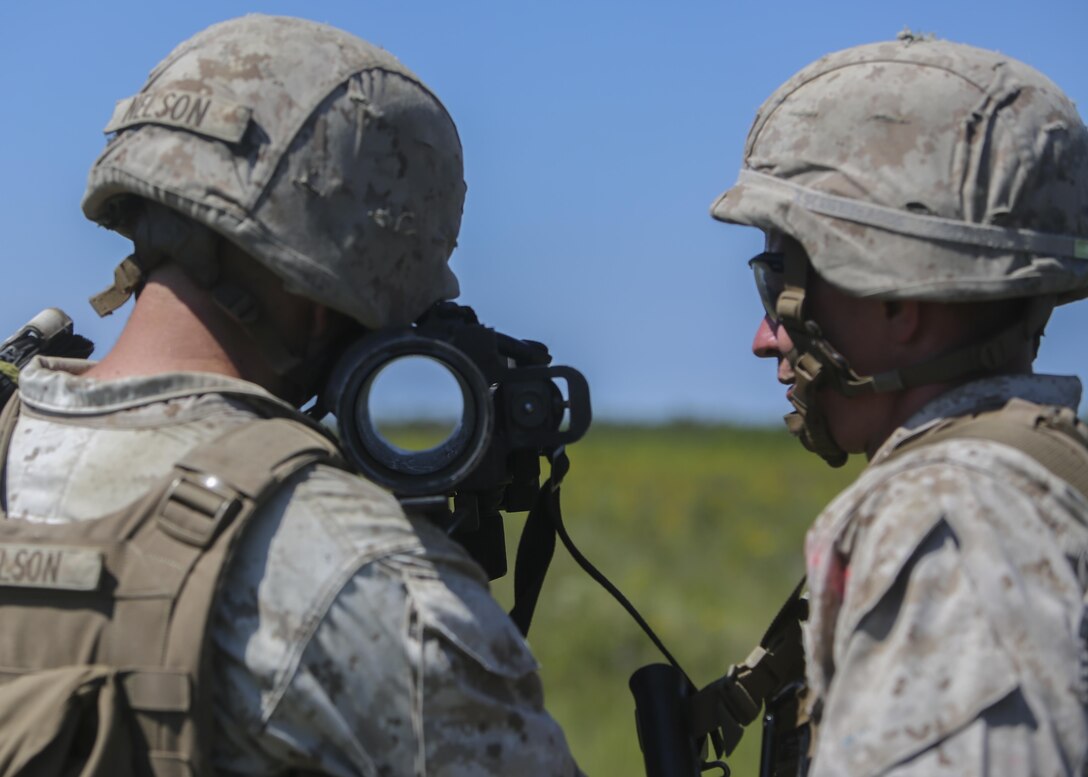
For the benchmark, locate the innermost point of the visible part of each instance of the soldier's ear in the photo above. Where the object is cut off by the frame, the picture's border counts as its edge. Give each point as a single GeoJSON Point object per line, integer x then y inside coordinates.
{"type": "Point", "coordinates": [904, 319]}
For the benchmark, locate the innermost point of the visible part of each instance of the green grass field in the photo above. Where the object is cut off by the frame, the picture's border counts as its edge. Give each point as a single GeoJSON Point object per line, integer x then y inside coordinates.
{"type": "Point", "coordinates": [702, 527]}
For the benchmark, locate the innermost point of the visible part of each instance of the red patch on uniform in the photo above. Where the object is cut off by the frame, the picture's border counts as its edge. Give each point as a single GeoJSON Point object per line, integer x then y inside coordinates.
{"type": "Point", "coordinates": [833, 574]}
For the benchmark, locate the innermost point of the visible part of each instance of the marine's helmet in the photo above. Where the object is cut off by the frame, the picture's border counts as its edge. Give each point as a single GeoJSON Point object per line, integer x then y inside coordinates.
{"type": "Point", "coordinates": [918, 169]}
{"type": "Point", "coordinates": [318, 154]}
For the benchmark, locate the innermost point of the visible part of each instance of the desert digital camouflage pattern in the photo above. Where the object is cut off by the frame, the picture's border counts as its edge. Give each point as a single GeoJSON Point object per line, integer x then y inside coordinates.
{"type": "Point", "coordinates": [348, 639]}
{"type": "Point", "coordinates": [315, 152]}
{"type": "Point", "coordinates": [947, 626]}
{"type": "Point", "coordinates": [922, 169]}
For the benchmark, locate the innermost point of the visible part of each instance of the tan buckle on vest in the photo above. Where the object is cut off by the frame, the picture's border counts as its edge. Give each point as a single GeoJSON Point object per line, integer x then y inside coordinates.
{"type": "Point", "coordinates": [195, 506]}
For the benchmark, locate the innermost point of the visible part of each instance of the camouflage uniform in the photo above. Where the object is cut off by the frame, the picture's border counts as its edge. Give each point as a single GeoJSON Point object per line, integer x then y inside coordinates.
{"type": "Point", "coordinates": [348, 639]}
{"type": "Point", "coordinates": [945, 634]}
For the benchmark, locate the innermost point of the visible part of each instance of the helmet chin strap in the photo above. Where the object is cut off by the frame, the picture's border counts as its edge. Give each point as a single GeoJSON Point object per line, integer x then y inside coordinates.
{"type": "Point", "coordinates": [806, 422]}
{"type": "Point", "coordinates": [813, 361]}
{"type": "Point", "coordinates": [816, 363]}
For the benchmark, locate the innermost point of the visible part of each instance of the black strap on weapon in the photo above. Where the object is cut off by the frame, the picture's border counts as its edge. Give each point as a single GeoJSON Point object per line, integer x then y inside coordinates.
{"type": "Point", "coordinates": [537, 546]}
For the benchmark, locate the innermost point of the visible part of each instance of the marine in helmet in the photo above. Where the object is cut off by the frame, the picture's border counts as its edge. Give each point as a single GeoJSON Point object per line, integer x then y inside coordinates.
{"type": "Point", "coordinates": [925, 207]}
{"type": "Point", "coordinates": [286, 187]}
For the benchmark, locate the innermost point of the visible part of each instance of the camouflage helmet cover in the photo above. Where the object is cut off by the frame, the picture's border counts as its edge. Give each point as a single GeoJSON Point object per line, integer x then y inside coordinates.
{"type": "Point", "coordinates": [315, 152]}
{"type": "Point", "coordinates": [922, 169]}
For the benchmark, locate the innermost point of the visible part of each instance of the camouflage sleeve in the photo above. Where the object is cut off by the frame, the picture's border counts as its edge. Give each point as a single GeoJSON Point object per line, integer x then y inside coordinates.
{"type": "Point", "coordinates": [900, 688]}
{"type": "Point", "coordinates": [415, 670]}
{"type": "Point", "coordinates": [480, 700]}
{"type": "Point", "coordinates": [955, 651]}
{"type": "Point", "coordinates": [353, 641]}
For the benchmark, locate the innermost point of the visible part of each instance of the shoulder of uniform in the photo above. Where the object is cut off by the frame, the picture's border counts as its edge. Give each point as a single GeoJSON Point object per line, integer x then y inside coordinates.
{"type": "Point", "coordinates": [909, 490]}
{"type": "Point", "coordinates": [325, 480]}
{"type": "Point", "coordinates": [875, 525]}
{"type": "Point", "coordinates": [973, 486]}
{"type": "Point", "coordinates": [324, 505]}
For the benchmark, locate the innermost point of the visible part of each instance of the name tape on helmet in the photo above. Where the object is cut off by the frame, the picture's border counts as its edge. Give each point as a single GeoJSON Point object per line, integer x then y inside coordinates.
{"type": "Point", "coordinates": [205, 115]}
{"type": "Point", "coordinates": [49, 566]}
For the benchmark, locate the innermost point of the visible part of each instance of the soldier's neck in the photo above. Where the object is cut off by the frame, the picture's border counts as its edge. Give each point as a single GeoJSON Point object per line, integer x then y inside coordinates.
{"type": "Point", "coordinates": [176, 327]}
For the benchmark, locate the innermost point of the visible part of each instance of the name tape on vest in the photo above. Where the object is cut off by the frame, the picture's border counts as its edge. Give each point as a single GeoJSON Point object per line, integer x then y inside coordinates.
{"type": "Point", "coordinates": [204, 115]}
{"type": "Point", "coordinates": [49, 566]}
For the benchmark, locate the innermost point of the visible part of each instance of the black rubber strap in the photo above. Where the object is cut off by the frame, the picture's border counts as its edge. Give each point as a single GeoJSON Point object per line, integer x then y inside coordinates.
{"type": "Point", "coordinates": [537, 545]}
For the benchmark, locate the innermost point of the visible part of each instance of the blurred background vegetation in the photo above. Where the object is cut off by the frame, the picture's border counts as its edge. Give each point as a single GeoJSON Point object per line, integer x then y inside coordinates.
{"type": "Point", "coordinates": [702, 528]}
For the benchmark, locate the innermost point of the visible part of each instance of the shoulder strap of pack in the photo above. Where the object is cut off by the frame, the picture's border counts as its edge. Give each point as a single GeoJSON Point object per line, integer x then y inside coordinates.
{"type": "Point", "coordinates": [214, 491]}
{"type": "Point", "coordinates": [1051, 435]}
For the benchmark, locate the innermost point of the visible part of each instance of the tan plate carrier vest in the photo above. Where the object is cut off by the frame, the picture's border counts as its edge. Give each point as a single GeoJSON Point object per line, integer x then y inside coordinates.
{"type": "Point", "coordinates": [113, 613]}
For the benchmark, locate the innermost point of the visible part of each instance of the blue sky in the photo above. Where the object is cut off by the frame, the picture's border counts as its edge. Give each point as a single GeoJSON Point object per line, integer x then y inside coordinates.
{"type": "Point", "coordinates": [596, 135]}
